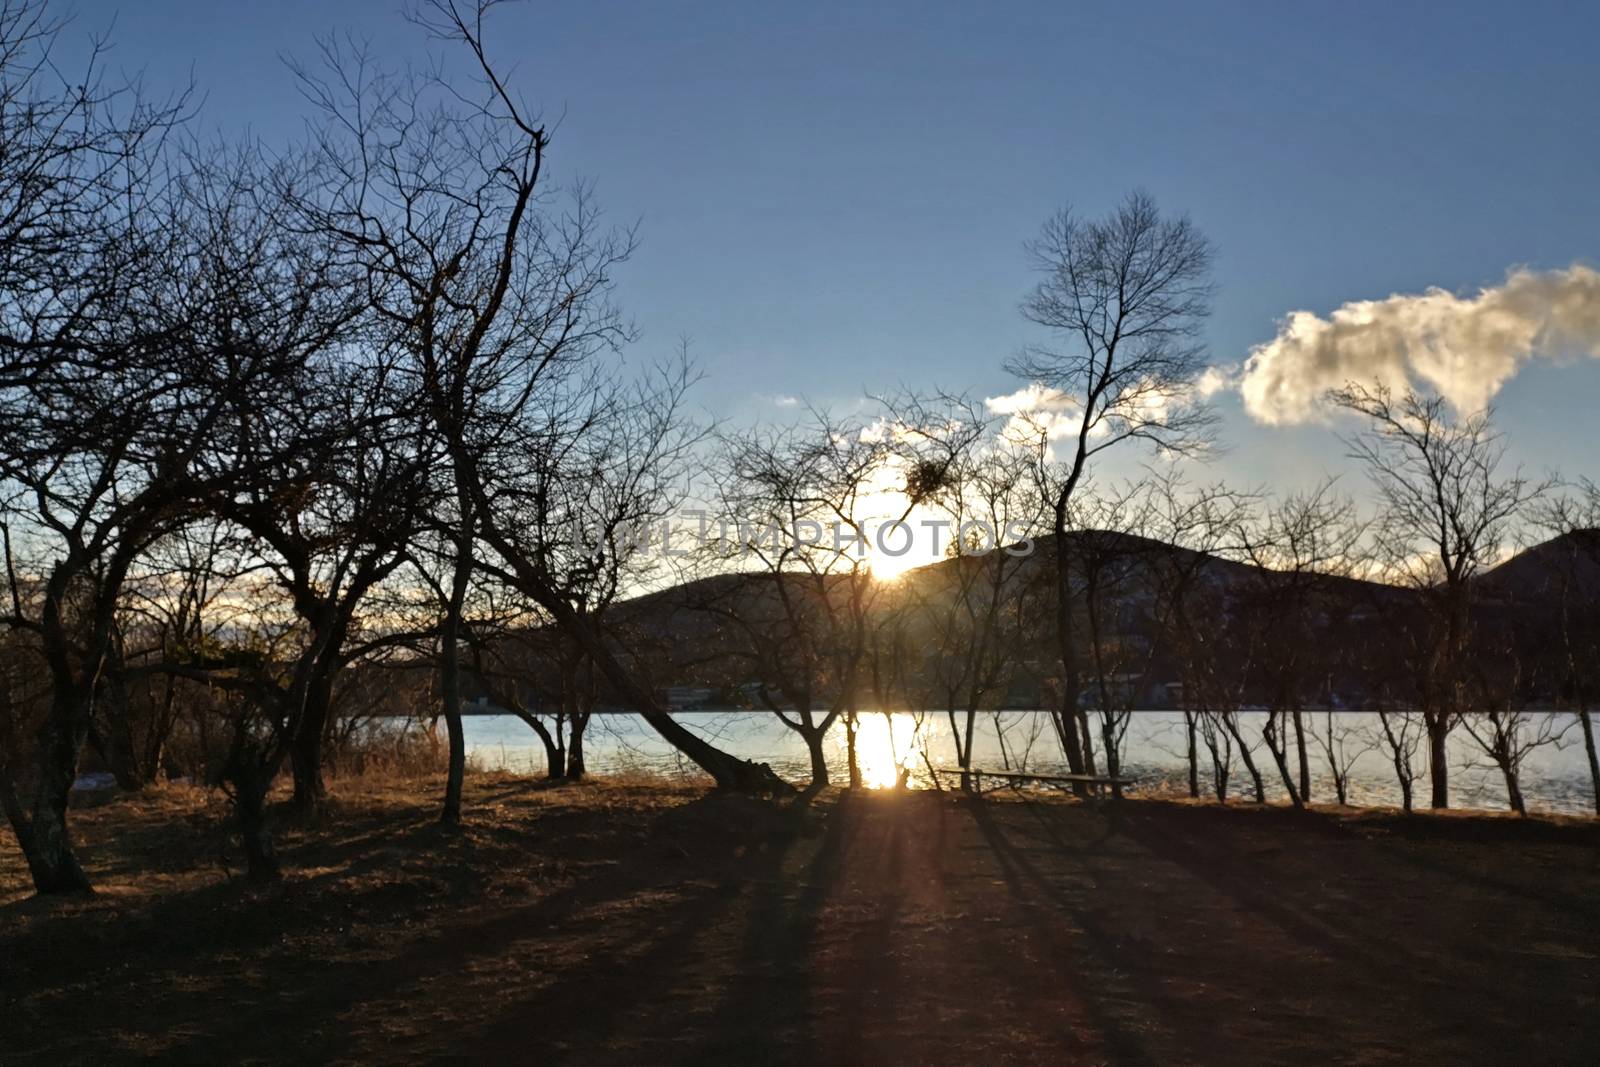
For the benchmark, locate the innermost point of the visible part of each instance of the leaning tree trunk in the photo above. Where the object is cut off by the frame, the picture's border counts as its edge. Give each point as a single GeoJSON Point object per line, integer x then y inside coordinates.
{"type": "Point", "coordinates": [1230, 719]}
{"type": "Point", "coordinates": [726, 770]}
{"type": "Point", "coordinates": [555, 762]}
{"type": "Point", "coordinates": [1087, 731]}
{"type": "Point", "coordinates": [1278, 745]}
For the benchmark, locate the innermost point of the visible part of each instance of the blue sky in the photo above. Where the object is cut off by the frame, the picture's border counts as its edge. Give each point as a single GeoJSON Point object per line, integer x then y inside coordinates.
{"type": "Point", "coordinates": [833, 197]}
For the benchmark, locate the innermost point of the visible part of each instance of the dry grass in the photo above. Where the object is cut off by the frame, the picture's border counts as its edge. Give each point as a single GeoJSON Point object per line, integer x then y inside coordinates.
{"type": "Point", "coordinates": [639, 920]}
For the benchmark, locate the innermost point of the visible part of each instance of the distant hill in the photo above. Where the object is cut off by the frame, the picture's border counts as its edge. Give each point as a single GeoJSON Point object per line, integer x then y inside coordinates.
{"type": "Point", "coordinates": [698, 632]}
{"type": "Point", "coordinates": [1542, 572]}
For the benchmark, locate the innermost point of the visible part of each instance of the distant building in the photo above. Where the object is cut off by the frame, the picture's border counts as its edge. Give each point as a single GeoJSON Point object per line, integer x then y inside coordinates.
{"type": "Point", "coordinates": [685, 697]}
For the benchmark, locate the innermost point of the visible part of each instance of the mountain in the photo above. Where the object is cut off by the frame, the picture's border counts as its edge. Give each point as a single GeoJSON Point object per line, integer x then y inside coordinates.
{"type": "Point", "coordinates": [1345, 635]}
{"type": "Point", "coordinates": [1568, 564]}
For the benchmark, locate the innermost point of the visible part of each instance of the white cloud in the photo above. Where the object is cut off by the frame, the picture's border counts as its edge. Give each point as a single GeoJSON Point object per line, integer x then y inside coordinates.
{"type": "Point", "coordinates": [786, 401]}
{"type": "Point", "coordinates": [1464, 348]}
{"type": "Point", "coordinates": [1036, 411]}
{"type": "Point", "coordinates": [1031, 398]}
{"type": "Point", "coordinates": [1214, 380]}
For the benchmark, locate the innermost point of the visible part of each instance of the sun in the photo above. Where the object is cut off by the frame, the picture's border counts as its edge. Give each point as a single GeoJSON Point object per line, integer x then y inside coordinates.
{"type": "Point", "coordinates": [899, 536]}
{"type": "Point", "coordinates": [890, 569]}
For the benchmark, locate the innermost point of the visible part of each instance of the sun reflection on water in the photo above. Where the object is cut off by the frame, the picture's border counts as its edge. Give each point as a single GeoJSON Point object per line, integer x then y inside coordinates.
{"type": "Point", "coordinates": [886, 747]}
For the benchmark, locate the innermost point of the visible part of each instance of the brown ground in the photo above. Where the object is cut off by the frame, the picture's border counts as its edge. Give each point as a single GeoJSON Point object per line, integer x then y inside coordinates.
{"type": "Point", "coordinates": [641, 923]}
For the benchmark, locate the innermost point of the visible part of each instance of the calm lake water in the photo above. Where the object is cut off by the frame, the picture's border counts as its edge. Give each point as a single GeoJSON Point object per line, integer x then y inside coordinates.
{"type": "Point", "coordinates": [1555, 777]}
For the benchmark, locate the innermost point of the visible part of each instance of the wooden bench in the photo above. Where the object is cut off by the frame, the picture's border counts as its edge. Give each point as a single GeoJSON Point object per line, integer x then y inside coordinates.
{"type": "Point", "coordinates": [1098, 785]}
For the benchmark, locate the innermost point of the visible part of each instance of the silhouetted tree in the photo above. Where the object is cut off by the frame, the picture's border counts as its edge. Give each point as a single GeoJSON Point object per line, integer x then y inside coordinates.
{"type": "Point", "coordinates": [1123, 298]}
{"type": "Point", "coordinates": [1445, 510]}
{"type": "Point", "coordinates": [501, 303]}
{"type": "Point", "coordinates": [1574, 521]}
{"type": "Point", "coordinates": [1304, 547]}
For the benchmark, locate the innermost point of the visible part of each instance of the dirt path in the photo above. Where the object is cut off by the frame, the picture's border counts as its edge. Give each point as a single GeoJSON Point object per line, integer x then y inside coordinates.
{"type": "Point", "coordinates": [877, 929]}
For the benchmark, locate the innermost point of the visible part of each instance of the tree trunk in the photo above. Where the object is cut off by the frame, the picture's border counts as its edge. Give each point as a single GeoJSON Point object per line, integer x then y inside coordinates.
{"type": "Point", "coordinates": [116, 715]}
{"type": "Point", "coordinates": [450, 672]}
{"type": "Point", "coordinates": [1438, 767]}
{"type": "Point", "coordinates": [1400, 761]}
{"type": "Point", "coordinates": [555, 763]}
{"type": "Point", "coordinates": [455, 775]}
{"type": "Point", "coordinates": [306, 748]}
{"type": "Point", "coordinates": [819, 759]}
{"type": "Point", "coordinates": [1586, 720]}
{"type": "Point", "coordinates": [1068, 721]}
{"type": "Point", "coordinates": [1088, 742]}
{"type": "Point", "coordinates": [47, 845]}
{"type": "Point", "coordinates": [966, 751]}
{"type": "Point", "coordinates": [250, 771]}
{"type": "Point", "coordinates": [1277, 744]}
{"type": "Point", "coordinates": [851, 724]}
{"type": "Point", "coordinates": [1231, 721]}
{"type": "Point", "coordinates": [1513, 787]}
{"type": "Point", "coordinates": [261, 859]}
{"type": "Point", "coordinates": [155, 755]}
{"type": "Point", "coordinates": [1108, 739]}
{"type": "Point", "coordinates": [1194, 756]}
{"type": "Point", "coordinates": [1071, 744]}
{"type": "Point", "coordinates": [1305, 761]}
{"type": "Point", "coordinates": [575, 766]}
{"type": "Point", "coordinates": [48, 850]}
{"type": "Point", "coordinates": [726, 769]}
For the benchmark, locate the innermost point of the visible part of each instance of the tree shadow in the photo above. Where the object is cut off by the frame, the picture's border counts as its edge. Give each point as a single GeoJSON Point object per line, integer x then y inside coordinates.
{"type": "Point", "coordinates": [1083, 976]}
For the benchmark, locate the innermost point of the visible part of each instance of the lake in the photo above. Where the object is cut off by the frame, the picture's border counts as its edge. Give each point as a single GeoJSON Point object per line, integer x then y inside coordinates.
{"type": "Point", "coordinates": [1555, 778]}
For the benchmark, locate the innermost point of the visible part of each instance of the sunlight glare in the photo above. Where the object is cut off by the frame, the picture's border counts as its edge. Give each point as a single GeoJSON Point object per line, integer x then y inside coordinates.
{"type": "Point", "coordinates": [883, 751]}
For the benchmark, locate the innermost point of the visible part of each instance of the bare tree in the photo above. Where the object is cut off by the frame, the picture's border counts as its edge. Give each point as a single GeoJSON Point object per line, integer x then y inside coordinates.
{"type": "Point", "coordinates": [1503, 728]}
{"type": "Point", "coordinates": [1343, 742]}
{"type": "Point", "coordinates": [1506, 737]}
{"type": "Point", "coordinates": [1445, 513]}
{"type": "Point", "coordinates": [165, 602]}
{"type": "Point", "coordinates": [1306, 544]}
{"type": "Point", "coordinates": [438, 188]}
{"type": "Point", "coordinates": [967, 618]}
{"type": "Point", "coordinates": [1574, 521]}
{"type": "Point", "coordinates": [100, 421]}
{"type": "Point", "coordinates": [1196, 617]}
{"type": "Point", "coordinates": [1124, 298]}
{"type": "Point", "coordinates": [1111, 562]}
{"type": "Point", "coordinates": [799, 506]}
